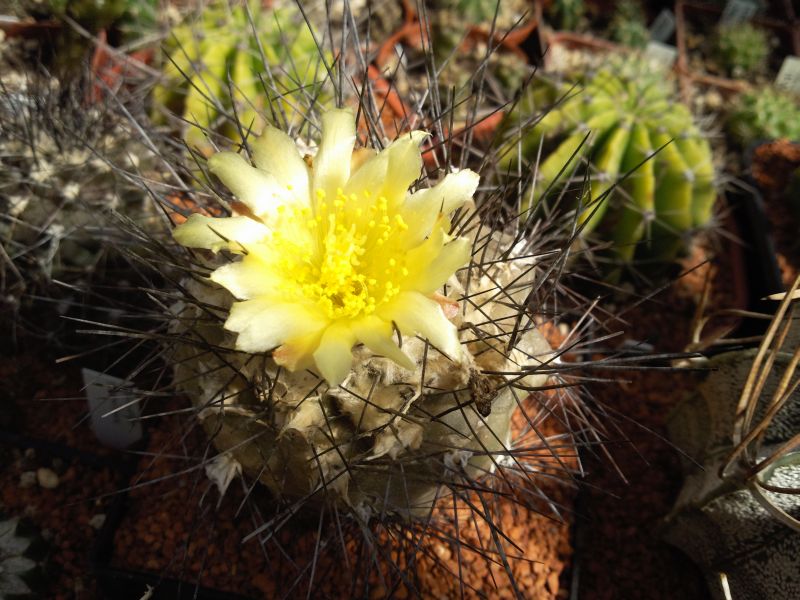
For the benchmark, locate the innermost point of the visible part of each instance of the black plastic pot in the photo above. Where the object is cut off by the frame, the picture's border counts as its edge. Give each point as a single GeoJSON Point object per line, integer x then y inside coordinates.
{"type": "Point", "coordinates": [759, 257]}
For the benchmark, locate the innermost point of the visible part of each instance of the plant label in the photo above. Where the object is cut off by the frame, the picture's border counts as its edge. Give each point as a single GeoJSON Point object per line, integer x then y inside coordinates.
{"type": "Point", "coordinates": [663, 27]}
{"type": "Point", "coordinates": [662, 54]}
{"type": "Point", "coordinates": [113, 408]}
{"type": "Point", "coordinates": [738, 11]}
{"type": "Point", "coordinates": [789, 76]}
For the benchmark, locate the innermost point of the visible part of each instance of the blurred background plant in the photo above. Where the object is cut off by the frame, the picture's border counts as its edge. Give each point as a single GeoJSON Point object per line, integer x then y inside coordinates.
{"type": "Point", "coordinates": [742, 48]}
{"type": "Point", "coordinates": [231, 68]}
{"type": "Point", "coordinates": [22, 555]}
{"type": "Point", "coordinates": [566, 14]}
{"type": "Point", "coordinates": [765, 113]}
{"type": "Point", "coordinates": [628, 25]}
{"type": "Point", "coordinates": [83, 26]}
{"type": "Point", "coordinates": [618, 142]}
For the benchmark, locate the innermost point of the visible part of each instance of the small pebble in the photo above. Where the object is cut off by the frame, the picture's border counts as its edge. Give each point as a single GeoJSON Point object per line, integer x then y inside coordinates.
{"type": "Point", "coordinates": [47, 478]}
{"type": "Point", "coordinates": [27, 479]}
{"type": "Point", "coordinates": [97, 521]}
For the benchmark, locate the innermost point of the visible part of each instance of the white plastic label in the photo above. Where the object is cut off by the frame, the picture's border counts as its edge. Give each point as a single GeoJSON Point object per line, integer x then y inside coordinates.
{"type": "Point", "coordinates": [789, 76]}
{"type": "Point", "coordinates": [663, 54]}
{"type": "Point", "coordinates": [663, 27]}
{"type": "Point", "coordinates": [737, 11]}
{"type": "Point", "coordinates": [113, 408]}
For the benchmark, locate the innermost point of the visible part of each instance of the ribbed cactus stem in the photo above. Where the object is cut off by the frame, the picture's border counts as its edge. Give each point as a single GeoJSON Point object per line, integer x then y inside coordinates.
{"type": "Point", "coordinates": [637, 137]}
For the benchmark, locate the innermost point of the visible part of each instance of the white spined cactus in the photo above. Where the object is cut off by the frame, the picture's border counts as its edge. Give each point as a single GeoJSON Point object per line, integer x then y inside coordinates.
{"type": "Point", "coordinates": [63, 168]}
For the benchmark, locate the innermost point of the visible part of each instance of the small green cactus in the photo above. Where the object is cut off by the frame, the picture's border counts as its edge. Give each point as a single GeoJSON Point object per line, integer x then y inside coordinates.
{"type": "Point", "coordinates": [764, 114]}
{"type": "Point", "coordinates": [637, 130]}
{"type": "Point", "coordinates": [628, 26]}
{"type": "Point", "coordinates": [20, 560]}
{"type": "Point", "coordinates": [566, 14]}
{"type": "Point", "coordinates": [216, 65]}
{"type": "Point", "coordinates": [742, 48]}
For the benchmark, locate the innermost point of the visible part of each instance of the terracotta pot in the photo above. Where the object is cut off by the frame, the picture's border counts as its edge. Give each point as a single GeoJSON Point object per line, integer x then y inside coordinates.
{"type": "Point", "coordinates": [113, 69]}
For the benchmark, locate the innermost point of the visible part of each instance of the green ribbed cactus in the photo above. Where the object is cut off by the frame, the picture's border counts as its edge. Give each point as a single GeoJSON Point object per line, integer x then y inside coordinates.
{"type": "Point", "coordinates": [216, 64]}
{"type": "Point", "coordinates": [742, 48]}
{"type": "Point", "coordinates": [635, 126]}
{"type": "Point", "coordinates": [764, 114]}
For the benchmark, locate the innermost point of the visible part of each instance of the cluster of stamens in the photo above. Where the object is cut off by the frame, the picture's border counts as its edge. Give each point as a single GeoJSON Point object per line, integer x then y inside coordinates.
{"type": "Point", "coordinates": [352, 259]}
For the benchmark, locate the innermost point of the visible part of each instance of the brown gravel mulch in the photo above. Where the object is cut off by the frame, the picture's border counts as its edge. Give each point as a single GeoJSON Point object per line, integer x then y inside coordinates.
{"type": "Point", "coordinates": [178, 527]}
{"type": "Point", "coordinates": [66, 515]}
{"type": "Point", "coordinates": [46, 441]}
{"type": "Point", "coordinates": [619, 552]}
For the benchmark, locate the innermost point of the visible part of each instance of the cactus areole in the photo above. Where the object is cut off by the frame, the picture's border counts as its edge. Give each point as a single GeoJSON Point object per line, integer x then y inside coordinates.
{"type": "Point", "coordinates": [348, 366]}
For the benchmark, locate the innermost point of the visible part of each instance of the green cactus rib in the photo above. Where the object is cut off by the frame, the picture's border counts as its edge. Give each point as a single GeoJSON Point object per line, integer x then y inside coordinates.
{"type": "Point", "coordinates": [650, 167]}
{"type": "Point", "coordinates": [233, 61]}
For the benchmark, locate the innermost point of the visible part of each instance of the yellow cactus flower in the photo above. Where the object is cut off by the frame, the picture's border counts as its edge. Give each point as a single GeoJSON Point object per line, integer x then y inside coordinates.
{"type": "Point", "coordinates": [332, 258]}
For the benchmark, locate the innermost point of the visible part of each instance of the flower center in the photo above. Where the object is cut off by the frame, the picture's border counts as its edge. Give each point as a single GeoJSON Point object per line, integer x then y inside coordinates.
{"type": "Point", "coordinates": [353, 259]}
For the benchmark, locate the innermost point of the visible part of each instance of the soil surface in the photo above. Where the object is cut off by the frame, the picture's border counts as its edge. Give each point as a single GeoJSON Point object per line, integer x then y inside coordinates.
{"type": "Point", "coordinates": [618, 551]}
{"type": "Point", "coordinates": [178, 526]}
{"type": "Point", "coordinates": [54, 473]}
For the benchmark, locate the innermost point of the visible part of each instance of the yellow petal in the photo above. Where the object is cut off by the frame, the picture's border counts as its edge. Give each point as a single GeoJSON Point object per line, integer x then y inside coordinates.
{"type": "Point", "coordinates": [376, 334]}
{"type": "Point", "coordinates": [421, 208]}
{"type": "Point", "coordinates": [259, 190]}
{"type": "Point", "coordinates": [246, 279]}
{"type": "Point", "coordinates": [434, 273]}
{"type": "Point", "coordinates": [263, 325]}
{"type": "Point", "coordinates": [391, 171]}
{"type": "Point", "coordinates": [297, 353]}
{"type": "Point", "coordinates": [369, 177]}
{"type": "Point", "coordinates": [455, 190]}
{"type": "Point", "coordinates": [415, 313]}
{"type": "Point", "coordinates": [332, 162]}
{"type": "Point", "coordinates": [200, 231]}
{"type": "Point", "coordinates": [405, 165]}
{"type": "Point", "coordinates": [276, 153]}
{"type": "Point", "coordinates": [333, 357]}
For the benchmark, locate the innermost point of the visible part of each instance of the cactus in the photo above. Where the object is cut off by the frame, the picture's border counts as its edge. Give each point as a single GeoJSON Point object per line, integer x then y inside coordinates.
{"type": "Point", "coordinates": [738, 513]}
{"type": "Point", "coordinates": [640, 139]}
{"type": "Point", "coordinates": [377, 417]}
{"type": "Point", "coordinates": [372, 436]}
{"type": "Point", "coordinates": [62, 167]}
{"type": "Point", "coordinates": [628, 26]}
{"type": "Point", "coordinates": [20, 560]}
{"type": "Point", "coordinates": [566, 14]}
{"type": "Point", "coordinates": [742, 48]}
{"type": "Point", "coordinates": [218, 50]}
{"type": "Point", "coordinates": [764, 114]}
{"type": "Point", "coordinates": [339, 400]}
